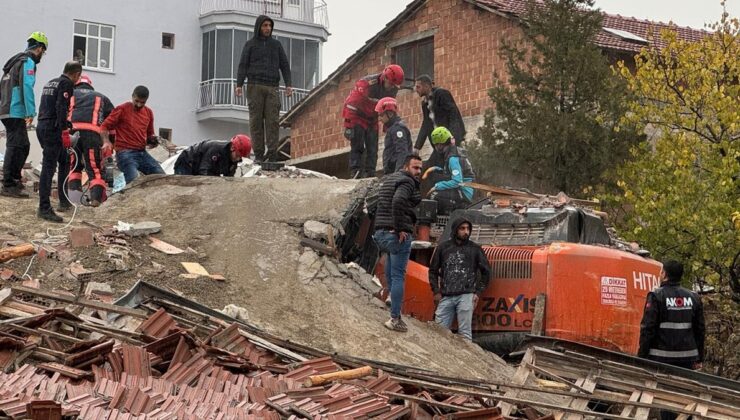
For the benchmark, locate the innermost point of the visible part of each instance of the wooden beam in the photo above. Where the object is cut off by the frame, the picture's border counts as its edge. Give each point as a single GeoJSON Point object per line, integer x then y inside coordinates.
{"type": "Point", "coordinates": [538, 320]}
{"type": "Point", "coordinates": [520, 378]}
{"type": "Point", "coordinates": [420, 400]}
{"type": "Point", "coordinates": [13, 252]}
{"type": "Point", "coordinates": [136, 313]}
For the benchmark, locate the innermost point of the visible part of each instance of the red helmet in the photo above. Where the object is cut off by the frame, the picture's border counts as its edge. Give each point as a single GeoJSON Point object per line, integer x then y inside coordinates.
{"type": "Point", "coordinates": [242, 144]}
{"type": "Point", "coordinates": [394, 74]}
{"type": "Point", "coordinates": [386, 104]}
{"type": "Point", "coordinates": [84, 78]}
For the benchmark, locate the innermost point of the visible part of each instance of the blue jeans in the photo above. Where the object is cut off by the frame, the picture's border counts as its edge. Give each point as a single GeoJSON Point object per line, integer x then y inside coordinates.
{"type": "Point", "coordinates": [395, 265]}
{"type": "Point", "coordinates": [460, 305]}
{"type": "Point", "coordinates": [131, 162]}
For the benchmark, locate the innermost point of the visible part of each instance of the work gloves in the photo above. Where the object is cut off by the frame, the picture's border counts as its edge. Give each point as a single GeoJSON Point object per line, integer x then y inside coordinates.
{"type": "Point", "coordinates": [66, 139]}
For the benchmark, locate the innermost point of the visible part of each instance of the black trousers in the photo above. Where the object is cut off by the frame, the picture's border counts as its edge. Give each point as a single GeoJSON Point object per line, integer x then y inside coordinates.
{"type": "Point", "coordinates": [88, 155]}
{"type": "Point", "coordinates": [54, 156]}
{"type": "Point", "coordinates": [363, 143]}
{"type": "Point", "coordinates": [16, 150]}
{"type": "Point", "coordinates": [449, 201]}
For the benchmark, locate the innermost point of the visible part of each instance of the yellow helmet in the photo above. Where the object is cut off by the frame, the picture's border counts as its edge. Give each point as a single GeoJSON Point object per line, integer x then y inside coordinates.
{"type": "Point", "coordinates": [441, 135]}
{"type": "Point", "coordinates": [38, 38]}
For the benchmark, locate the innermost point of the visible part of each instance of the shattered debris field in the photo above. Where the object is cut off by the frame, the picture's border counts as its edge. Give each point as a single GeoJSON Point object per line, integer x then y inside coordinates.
{"type": "Point", "coordinates": [217, 310]}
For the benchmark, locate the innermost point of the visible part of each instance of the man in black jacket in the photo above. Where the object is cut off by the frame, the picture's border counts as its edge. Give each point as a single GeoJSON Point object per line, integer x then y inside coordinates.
{"type": "Point", "coordinates": [397, 143]}
{"type": "Point", "coordinates": [214, 157]}
{"type": "Point", "coordinates": [453, 276]}
{"type": "Point", "coordinates": [262, 61]}
{"type": "Point", "coordinates": [53, 134]}
{"type": "Point", "coordinates": [672, 328]}
{"type": "Point", "coordinates": [438, 109]}
{"type": "Point", "coordinates": [394, 225]}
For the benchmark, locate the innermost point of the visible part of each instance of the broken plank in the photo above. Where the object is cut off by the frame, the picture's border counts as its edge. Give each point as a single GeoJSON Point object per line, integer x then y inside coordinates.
{"type": "Point", "coordinates": [646, 397]}
{"type": "Point", "coordinates": [520, 378]}
{"type": "Point", "coordinates": [81, 302]}
{"type": "Point", "coordinates": [538, 320]}
{"type": "Point", "coordinates": [558, 378]}
{"type": "Point", "coordinates": [195, 268]}
{"type": "Point", "coordinates": [589, 384]}
{"type": "Point", "coordinates": [13, 252]}
{"type": "Point", "coordinates": [627, 410]}
{"type": "Point", "coordinates": [432, 403]}
{"type": "Point", "coordinates": [358, 373]}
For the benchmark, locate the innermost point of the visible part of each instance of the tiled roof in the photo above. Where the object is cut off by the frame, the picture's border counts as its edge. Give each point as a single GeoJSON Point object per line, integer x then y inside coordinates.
{"type": "Point", "coordinates": [640, 27]}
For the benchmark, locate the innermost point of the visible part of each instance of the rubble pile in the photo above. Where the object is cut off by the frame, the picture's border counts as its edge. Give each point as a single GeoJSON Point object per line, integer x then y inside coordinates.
{"type": "Point", "coordinates": [166, 359]}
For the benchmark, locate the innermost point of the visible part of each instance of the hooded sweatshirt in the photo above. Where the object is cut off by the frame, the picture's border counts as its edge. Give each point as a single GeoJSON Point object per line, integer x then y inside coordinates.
{"type": "Point", "coordinates": [17, 99]}
{"type": "Point", "coordinates": [455, 266]}
{"type": "Point", "coordinates": [263, 59]}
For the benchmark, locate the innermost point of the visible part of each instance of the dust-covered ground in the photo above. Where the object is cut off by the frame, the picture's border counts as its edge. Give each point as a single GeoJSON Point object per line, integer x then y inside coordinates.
{"type": "Point", "coordinates": [247, 230]}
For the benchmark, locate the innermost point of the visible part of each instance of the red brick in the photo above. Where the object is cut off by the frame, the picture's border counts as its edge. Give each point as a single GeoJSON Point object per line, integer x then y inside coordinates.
{"type": "Point", "coordinates": [81, 237]}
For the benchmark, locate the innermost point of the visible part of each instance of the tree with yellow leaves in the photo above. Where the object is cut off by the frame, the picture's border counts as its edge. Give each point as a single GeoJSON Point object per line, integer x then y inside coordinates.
{"type": "Point", "coordinates": [681, 190]}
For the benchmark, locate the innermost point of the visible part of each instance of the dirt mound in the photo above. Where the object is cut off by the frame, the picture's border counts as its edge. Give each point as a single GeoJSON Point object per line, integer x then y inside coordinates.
{"type": "Point", "coordinates": [249, 231]}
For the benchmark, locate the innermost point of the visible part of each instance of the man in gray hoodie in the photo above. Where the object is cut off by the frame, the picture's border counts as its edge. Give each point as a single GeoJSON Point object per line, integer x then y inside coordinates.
{"type": "Point", "coordinates": [263, 60]}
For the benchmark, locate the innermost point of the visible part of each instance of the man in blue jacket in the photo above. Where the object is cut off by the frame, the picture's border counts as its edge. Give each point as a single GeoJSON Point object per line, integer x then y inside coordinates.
{"type": "Point", "coordinates": [449, 193]}
{"type": "Point", "coordinates": [262, 61]}
{"type": "Point", "coordinates": [17, 109]}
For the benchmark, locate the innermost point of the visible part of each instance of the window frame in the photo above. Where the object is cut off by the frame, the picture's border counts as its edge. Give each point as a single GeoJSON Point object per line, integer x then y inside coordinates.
{"type": "Point", "coordinates": [99, 38]}
{"type": "Point", "coordinates": [410, 77]}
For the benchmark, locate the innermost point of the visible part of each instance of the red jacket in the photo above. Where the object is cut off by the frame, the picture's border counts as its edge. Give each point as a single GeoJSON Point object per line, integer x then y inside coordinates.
{"type": "Point", "coordinates": [133, 127]}
{"type": "Point", "coordinates": [359, 107]}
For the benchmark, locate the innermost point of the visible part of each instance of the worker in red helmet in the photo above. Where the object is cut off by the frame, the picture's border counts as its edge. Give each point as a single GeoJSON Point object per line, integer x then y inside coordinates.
{"type": "Point", "coordinates": [397, 143]}
{"type": "Point", "coordinates": [214, 157]}
{"type": "Point", "coordinates": [87, 111]}
{"type": "Point", "coordinates": [361, 120]}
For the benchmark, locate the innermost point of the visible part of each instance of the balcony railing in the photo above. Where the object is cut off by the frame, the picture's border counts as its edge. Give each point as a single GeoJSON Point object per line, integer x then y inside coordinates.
{"type": "Point", "coordinates": [219, 93]}
{"type": "Point", "coordinates": [310, 11]}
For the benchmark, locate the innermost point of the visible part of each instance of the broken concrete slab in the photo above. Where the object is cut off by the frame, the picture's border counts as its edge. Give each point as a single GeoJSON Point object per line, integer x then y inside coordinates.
{"type": "Point", "coordinates": [316, 230]}
{"type": "Point", "coordinates": [138, 228]}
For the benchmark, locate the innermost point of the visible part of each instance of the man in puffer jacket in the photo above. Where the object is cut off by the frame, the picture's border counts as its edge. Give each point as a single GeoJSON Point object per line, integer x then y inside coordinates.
{"type": "Point", "coordinates": [453, 275]}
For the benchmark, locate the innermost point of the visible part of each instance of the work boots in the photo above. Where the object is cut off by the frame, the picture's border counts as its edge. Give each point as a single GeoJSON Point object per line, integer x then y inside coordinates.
{"type": "Point", "coordinates": [14, 191]}
{"type": "Point", "coordinates": [48, 214]}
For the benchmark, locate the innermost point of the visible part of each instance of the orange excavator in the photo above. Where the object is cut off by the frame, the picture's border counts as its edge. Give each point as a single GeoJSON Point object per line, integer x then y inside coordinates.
{"type": "Point", "coordinates": [557, 272]}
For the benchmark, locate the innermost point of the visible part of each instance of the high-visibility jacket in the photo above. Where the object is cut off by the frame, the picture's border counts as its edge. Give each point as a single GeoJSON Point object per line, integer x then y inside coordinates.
{"type": "Point", "coordinates": [88, 108]}
{"type": "Point", "coordinates": [672, 328]}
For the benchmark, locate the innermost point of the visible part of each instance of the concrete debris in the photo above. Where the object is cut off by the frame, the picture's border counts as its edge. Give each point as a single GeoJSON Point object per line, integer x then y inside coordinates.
{"type": "Point", "coordinates": [236, 312]}
{"type": "Point", "coordinates": [139, 228]}
{"type": "Point", "coordinates": [316, 230]}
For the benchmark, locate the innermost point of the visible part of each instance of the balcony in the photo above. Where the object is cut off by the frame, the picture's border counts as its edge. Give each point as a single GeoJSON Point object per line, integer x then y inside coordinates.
{"type": "Point", "coordinates": [217, 100]}
{"type": "Point", "coordinates": [306, 11]}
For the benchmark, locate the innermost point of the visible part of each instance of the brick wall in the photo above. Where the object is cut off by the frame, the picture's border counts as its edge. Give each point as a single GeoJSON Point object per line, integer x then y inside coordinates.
{"type": "Point", "coordinates": [466, 54]}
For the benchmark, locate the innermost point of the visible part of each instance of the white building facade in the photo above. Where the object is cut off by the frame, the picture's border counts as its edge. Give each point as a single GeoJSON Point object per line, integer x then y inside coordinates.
{"type": "Point", "coordinates": [185, 51]}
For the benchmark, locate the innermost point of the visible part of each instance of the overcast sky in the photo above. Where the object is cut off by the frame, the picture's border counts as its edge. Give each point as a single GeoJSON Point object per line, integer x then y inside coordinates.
{"type": "Point", "coordinates": [352, 22]}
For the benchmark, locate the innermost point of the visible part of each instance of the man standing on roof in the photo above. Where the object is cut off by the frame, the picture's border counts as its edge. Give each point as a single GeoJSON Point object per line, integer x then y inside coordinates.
{"type": "Point", "coordinates": [453, 276]}
{"type": "Point", "coordinates": [134, 125]}
{"type": "Point", "coordinates": [397, 136]}
{"type": "Point", "coordinates": [88, 111]}
{"type": "Point", "coordinates": [262, 61]}
{"type": "Point", "coordinates": [449, 193]}
{"type": "Point", "coordinates": [361, 120]}
{"type": "Point", "coordinates": [438, 109]}
{"type": "Point", "coordinates": [214, 157]}
{"type": "Point", "coordinates": [53, 134]}
{"type": "Point", "coordinates": [17, 109]}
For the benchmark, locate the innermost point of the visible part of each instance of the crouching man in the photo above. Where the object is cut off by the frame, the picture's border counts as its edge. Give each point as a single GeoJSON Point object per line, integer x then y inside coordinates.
{"type": "Point", "coordinates": [214, 157]}
{"type": "Point", "coordinates": [453, 275]}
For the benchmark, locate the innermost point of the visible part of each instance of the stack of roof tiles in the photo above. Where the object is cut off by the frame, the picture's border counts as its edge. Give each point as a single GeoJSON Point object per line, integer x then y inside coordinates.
{"type": "Point", "coordinates": [178, 375]}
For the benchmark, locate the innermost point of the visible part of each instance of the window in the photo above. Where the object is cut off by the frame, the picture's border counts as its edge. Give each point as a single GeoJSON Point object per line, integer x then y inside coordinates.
{"type": "Point", "coordinates": [294, 2]}
{"type": "Point", "coordinates": [222, 49]}
{"type": "Point", "coordinates": [93, 45]}
{"type": "Point", "coordinates": [416, 58]}
{"type": "Point", "coordinates": [166, 133]}
{"type": "Point", "coordinates": [168, 41]}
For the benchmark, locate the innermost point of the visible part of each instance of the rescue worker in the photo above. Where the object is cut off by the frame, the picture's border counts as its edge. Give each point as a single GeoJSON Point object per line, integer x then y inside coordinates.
{"type": "Point", "coordinates": [53, 134]}
{"type": "Point", "coordinates": [214, 157]}
{"type": "Point", "coordinates": [394, 225]}
{"type": "Point", "coordinates": [672, 328]}
{"type": "Point", "coordinates": [361, 120]}
{"type": "Point", "coordinates": [134, 125]}
{"type": "Point", "coordinates": [453, 276]}
{"type": "Point", "coordinates": [448, 193]}
{"type": "Point", "coordinates": [397, 143]}
{"type": "Point", "coordinates": [17, 109]}
{"type": "Point", "coordinates": [438, 109]}
{"type": "Point", "coordinates": [88, 111]}
{"type": "Point", "coordinates": [262, 61]}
